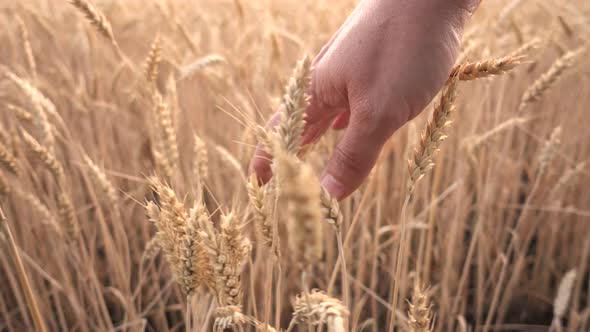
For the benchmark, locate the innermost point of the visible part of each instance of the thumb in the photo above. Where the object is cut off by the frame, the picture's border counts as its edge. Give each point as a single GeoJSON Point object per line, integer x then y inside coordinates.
{"type": "Point", "coordinates": [356, 153]}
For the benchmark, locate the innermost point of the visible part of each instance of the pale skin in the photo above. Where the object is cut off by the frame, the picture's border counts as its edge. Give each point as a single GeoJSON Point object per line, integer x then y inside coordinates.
{"type": "Point", "coordinates": [381, 69]}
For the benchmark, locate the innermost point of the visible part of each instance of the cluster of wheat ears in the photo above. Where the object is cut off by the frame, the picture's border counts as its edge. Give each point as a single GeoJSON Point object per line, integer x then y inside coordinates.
{"type": "Point", "coordinates": [493, 236]}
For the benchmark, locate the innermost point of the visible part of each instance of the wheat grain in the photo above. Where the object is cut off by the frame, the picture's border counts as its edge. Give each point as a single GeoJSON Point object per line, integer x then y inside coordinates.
{"type": "Point", "coordinates": [68, 216]}
{"type": "Point", "coordinates": [331, 209]}
{"type": "Point", "coordinates": [420, 315]}
{"type": "Point", "coordinates": [227, 317]}
{"type": "Point", "coordinates": [99, 179]}
{"type": "Point", "coordinates": [167, 143]}
{"type": "Point", "coordinates": [479, 69]}
{"type": "Point", "coordinates": [152, 247]}
{"type": "Point", "coordinates": [152, 61]}
{"type": "Point", "coordinates": [40, 208]}
{"type": "Point", "coordinates": [228, 251]}
{"type": "Point", "coordinates": [548, 79]}
{"type": "Point", "coordinates": [196, 66]}
{"type": "Point", "coordinates": [46, 157]}
{"type": "Point", "coordinates": [548, 150]}
{"type": "Point", "coordinates": [562, 298]}
{"type": "Point", "coordinates": [293, 106]}
{"type": "Point", "coordinates": [20, 113]}
{"type": "Point", "coordinates": [200, 160]}
{"type": "Point", "coordinates": [24, 34]}
{"type": "Point", "coordinates": [434, 133]}
{"type": "Point", "coordinates": [318, 308]}
{"type": "Point", "coordinates": [40, 105]}
{"type": "Point", "coordinates": [178, 237]}
{"type": "Point", "coordinates": [4, 187]}
{"type": "Point", "coordinates": [260, 210]}
{"type": "Point", "coordinates": [301, 193]}
{"type": "Point", "coordinates": [566, 179]}
{"type": "Point", "coordinates": [7, 160]}
{"type": "Point", "coordinates": [96, 18]}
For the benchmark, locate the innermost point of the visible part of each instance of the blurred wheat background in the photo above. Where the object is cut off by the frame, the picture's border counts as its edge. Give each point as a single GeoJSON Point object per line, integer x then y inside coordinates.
{"type": "Point", "coordinates": [496, 234]}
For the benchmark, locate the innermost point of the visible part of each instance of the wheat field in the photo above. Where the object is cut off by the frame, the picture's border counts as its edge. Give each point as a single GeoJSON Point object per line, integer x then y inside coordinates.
{"type": "Point", "coordinates": [126, 131]}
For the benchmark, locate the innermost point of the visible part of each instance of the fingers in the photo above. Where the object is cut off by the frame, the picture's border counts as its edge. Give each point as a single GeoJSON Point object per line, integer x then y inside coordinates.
{"type": "Point", "coordinates": [260, 162]}
{"type": "Point", "coordinates": [356, 153]}
{"type": "Point", "coordinates": [341, 121]}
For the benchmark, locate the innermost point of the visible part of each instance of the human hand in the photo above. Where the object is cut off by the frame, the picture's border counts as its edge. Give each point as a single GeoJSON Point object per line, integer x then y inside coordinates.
{"type": "Point", "coordinates": [382, 67]}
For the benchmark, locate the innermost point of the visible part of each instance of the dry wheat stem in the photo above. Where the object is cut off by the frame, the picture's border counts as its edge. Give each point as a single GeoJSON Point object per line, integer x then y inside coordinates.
{"type": "Point", "coordinates": [22, 275]}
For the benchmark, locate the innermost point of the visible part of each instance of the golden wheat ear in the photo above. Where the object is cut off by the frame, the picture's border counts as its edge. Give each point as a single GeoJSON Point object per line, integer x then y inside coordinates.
{"type": "Point", "coordinates": [96, 18]}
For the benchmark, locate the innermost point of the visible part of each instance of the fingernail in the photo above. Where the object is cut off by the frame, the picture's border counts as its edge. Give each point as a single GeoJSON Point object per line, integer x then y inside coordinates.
{"type": "Point", "coordinates": [333, 186]}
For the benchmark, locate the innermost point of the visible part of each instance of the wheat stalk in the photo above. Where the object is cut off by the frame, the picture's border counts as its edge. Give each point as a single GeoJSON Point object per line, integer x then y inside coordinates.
{"type": "Point", "coordinates": [22, 275]}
